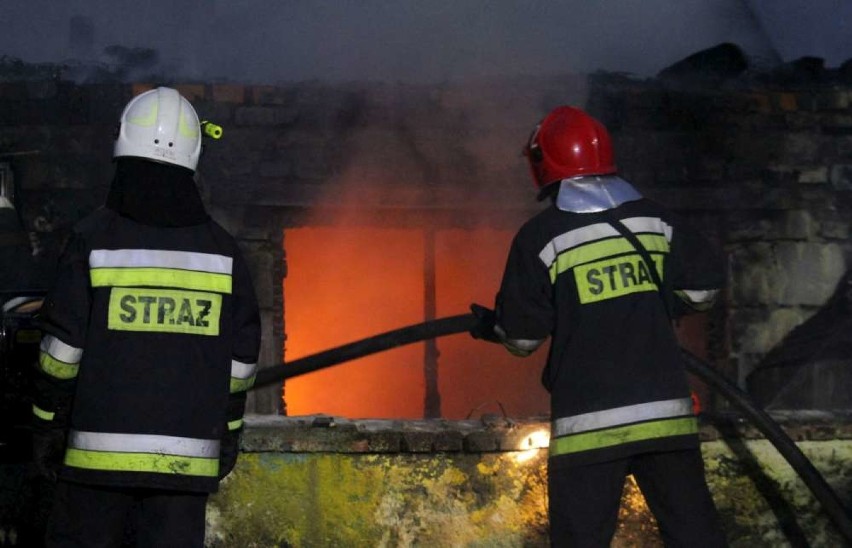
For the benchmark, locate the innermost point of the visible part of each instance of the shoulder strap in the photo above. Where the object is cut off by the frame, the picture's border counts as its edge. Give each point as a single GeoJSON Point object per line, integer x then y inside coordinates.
{"type": "Point", "coordinates": [634, 241]}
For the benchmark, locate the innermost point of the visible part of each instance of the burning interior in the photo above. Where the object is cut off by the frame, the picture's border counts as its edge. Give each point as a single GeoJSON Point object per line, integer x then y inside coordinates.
{"type": "Point", "coordinates": [341, 286]}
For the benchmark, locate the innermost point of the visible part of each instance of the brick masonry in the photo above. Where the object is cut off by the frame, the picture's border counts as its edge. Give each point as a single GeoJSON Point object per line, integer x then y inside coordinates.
{"type": "Point", "coordinates": [764, 171]}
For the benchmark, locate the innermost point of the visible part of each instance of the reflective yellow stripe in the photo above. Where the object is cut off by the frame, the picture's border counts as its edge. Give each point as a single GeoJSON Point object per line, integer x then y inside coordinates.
{"type": "Point", "coordinates": [42, 414]}
{"type": "Point", "coordinates": [185, 128]}
{"type": "Point", "coordinates": [234, 425]}
{"type": "Point", "coordinates": [601, 231]}
{"type": "Point", "coordinates": [164, 311]}
{"type": "Point", "coordinates": [241, 385]}
{"type": "Point", "coordinates": [149, 119]}
{"type": "Point", "coordinates": [56, 368]}
{"type": "Point", "coordinates": [142, 462]}
{"type": "Point", "coordinates": [604, 249]}
{"type": "Point", "coordinates": [161, 277]}
{"type": "Point", "coordinates": [623, 434]}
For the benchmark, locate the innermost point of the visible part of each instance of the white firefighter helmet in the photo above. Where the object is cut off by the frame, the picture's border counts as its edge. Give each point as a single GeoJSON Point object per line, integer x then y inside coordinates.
{"type": "Point", "coordinates": [160, 125]}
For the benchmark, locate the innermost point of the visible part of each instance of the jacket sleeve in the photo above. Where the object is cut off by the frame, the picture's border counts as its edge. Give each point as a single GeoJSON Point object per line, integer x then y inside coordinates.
{"type": "Point", "coordinates": [524, 306]}
{"type": "Point", "coordinates": [63, 320]}
{"type": "Point", "coordinates": [246, 343]}
{"type": "Point", "coordinates": [697, 269]}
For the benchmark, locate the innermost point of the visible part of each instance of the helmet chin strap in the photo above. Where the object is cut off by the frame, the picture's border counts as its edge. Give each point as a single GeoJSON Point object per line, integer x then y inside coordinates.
{"type": "Point", "coordinates": [594, 193]}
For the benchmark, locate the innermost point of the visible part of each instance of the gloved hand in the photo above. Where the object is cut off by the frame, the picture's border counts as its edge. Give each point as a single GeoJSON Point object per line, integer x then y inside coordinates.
{"type": "Point", "coordinates": [484, 329]}
{"type": "Point", "coordinates": [229, 450]}
{"type": "Point", "coordinates": [48, 452]}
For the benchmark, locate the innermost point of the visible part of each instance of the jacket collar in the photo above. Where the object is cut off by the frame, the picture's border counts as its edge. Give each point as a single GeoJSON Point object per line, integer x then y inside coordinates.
{"type": "Point", "coordinates": [594, 193]}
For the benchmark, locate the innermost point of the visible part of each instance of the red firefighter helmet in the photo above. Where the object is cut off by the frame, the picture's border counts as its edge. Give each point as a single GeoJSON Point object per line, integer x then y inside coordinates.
{"type": "Point", "coordinates": [568, 143]}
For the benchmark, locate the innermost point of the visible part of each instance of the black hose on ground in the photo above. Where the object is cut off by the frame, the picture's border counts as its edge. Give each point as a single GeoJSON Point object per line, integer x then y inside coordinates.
{"type": "Point", "coordinates": [465, 322]}
{"type": "Point", "coordinates": [823, 492]}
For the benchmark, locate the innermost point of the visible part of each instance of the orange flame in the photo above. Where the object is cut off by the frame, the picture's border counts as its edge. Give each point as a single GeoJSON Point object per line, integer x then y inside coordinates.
{"type": "Point", "coordinates": [345, 284]}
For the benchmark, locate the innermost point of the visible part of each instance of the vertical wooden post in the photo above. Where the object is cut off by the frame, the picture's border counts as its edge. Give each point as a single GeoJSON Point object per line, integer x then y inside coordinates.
{"type": "Point", "coordinates": [432, 403]}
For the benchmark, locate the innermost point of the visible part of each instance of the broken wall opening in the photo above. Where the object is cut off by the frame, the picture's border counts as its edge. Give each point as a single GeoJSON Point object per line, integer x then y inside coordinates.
{"type": "Point", "coordinates": [348, 283]}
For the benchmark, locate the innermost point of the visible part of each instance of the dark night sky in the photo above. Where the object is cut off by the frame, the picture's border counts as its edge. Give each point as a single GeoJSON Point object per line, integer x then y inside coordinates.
{"type": "Point", "coordinates": [420, 40]}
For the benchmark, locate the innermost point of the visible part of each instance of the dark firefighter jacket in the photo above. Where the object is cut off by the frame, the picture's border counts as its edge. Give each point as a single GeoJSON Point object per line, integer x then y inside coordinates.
{"type": "Point", "coordinates": [151, 336]}
{"type": "Point", "coordinates": [614, 370]}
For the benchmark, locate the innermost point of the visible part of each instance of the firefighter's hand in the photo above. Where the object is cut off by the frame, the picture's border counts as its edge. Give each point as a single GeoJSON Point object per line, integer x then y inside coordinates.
{"type": "Point", "coordinates": [229, 451]}
{"type": "Point", "coordinates": [484, 328]}
{"type": "Point", "coordinates": [48, 451]}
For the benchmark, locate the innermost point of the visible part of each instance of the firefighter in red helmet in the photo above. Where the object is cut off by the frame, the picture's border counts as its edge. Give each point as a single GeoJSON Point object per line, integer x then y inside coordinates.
{"type": "Point", "coordinates": [151, 337]}
{"type": "Point", "coordinates": [600, 272]}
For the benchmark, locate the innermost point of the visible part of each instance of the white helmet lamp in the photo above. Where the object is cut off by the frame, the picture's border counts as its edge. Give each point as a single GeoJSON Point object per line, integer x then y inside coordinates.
{"type": "Point", "coordinates": [162, 126]}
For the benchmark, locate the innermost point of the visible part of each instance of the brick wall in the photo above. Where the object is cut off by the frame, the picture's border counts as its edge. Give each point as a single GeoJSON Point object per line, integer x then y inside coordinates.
{"type": "Point", "coordinates": [764, 171]}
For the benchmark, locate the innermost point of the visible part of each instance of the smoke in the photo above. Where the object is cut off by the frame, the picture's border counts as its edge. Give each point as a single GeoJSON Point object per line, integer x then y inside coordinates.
{"type": "Point", "coordinates": [267, 41]}
{"type": "Point", "coordinates": [799, 28]}
{"type": "Point", "coordinates": [450, 152]}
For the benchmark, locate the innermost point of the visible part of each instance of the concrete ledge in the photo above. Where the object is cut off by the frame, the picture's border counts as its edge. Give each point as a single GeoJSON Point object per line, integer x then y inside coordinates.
{"type": "Point", "coordinates": [323, 433]}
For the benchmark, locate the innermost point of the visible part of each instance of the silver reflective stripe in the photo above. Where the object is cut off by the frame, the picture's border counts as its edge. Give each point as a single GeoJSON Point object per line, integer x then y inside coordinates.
{"type": "Point", "coordinates": [654, 225]}
{"type": "Point", "coordinates": [242, 370]}
{"type": "Point", "coordinates": [599, 231]}
{"type": "Point", "coordinates": [524, 345]}
{"type": "Point", "coordinates": [59, 350]}
{"type": "Point", "coordinates": [622, 415]}
{"type": "Point", "coordinates": [13, 303]}
{"type": "Point", "coordinates": [143, 443]}
{"type": "Point", "coordinates": [592, 193]}
{"type": "Point", "coordinates": [157, 258]}
{"type": "Point", "coordinates": [573, 238]}
{"type": "Point", "coordinates": [700, 296]}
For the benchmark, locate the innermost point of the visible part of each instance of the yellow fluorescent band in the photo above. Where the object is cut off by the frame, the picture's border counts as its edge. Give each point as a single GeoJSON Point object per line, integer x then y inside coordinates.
{"type": "Point", "coordinates": [623, 434]}
{"type": "Point", "coordinates": [161, 277]}
{"type": "Point", "coordinates": [604, 249]}
{"type": "Point", "coordinates": [241, 385]}
{"type": "Point", "coordinates": [598, 232]}
{"type": "Point", "coordinates": [610, 247]}
{"type": "Point", "coordinates": [142, 462]}
{"type": "Point", "coordinates": [185, 128]}
{"type": "Point", "coordinates": [56, 368]}
{"type": "Point", "coordinates": [149, 119]}
{"type": "Point", "coordinates": [42, 414]}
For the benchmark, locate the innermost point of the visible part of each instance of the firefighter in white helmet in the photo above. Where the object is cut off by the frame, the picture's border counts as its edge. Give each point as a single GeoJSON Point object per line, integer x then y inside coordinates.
{"type": "Point", "coordinates": [599, 272]}
{"type": "Point", "coordinates": [151, 337]}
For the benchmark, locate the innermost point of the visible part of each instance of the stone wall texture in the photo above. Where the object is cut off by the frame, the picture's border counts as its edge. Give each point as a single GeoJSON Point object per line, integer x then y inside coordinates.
{"type": "Point", "coordinates": [765, 172]}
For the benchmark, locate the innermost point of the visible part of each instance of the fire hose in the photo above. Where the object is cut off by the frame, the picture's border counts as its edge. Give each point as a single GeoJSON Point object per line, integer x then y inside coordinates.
{"type": "Point", "coordinates": [462, 323]}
